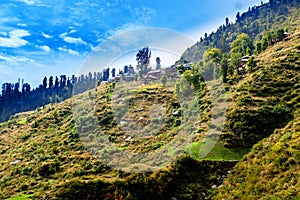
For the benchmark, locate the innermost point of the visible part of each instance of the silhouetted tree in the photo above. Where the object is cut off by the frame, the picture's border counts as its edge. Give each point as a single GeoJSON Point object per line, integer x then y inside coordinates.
{"type": "Point", "coordinates": [158, 66]}
{"type": "Point", "coordinates": [56, 82]}
{"type": "Point", "coordinates": [45, 82]}
{"type": "Point", "coordinates": [51, 82]}
{"type": "Point", "coordinates": [143, 58]}
{"type": "Point", "coordinates": [113, 72]}
{"type": "Point", "coordinates": [226, 21]}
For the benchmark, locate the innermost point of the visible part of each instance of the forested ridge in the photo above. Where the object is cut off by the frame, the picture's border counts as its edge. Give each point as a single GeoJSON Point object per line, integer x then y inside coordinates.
{"type": "Point", "coordinates": [256, 22]}
{"type": "Point", "coordinates": [20, 97]}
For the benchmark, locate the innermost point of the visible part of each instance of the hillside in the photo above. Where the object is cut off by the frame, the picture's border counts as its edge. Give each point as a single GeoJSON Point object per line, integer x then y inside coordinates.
{"type": "Point", "coordinates": [44, 157]}
{"type": "Point", "coordinates": [266, 98]}
{"type": "Point", "coordinates": [185, 139]}
{"type": "Point", "coordinates": [256, 22]}
{"type": "Point", "coordinates": [270, 171]}
{"type": "Point", "coordinates": [266, 101]}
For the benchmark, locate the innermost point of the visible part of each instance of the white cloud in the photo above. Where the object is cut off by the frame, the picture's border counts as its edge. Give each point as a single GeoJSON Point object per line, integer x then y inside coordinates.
{"type": "Point", "coordinates": [46, 35]}
{"type": "Point", "coordinates": [29, 2]}
{"type": "Point", "coordinates": [15, 39]}
{"type": "Point", "coordinates": [22, 25]}
{"type": "Point", "coordinates": [72, 40]}
{"type": "Point", "coordinates": [69, 51]}
{"type": "Point", "coordinates": [45, 48]}
{"type": "Point", "coordinates": [5, 58]}
{"type": "Point", "coordinates": [15, 59]}
{"type": "Point", "coordinates": [3, 34]}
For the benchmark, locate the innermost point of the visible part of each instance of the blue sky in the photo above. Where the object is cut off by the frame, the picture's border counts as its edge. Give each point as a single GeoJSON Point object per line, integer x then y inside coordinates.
{"type": "Point", "coordinates": [52, 37]}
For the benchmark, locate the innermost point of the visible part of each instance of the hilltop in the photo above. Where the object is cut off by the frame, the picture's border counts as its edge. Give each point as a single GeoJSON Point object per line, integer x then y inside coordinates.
{"type": "Point", "coordinates": [256, 22]}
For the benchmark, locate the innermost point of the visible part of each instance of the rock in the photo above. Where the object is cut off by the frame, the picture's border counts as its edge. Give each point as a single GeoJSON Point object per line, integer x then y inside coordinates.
{"type": "Point", "coordinates": [15, 162]}
{"type": "Point", "coordinates": [214, 187]}
{"type": "Point", "coordinates": [128, 139]}
{"type": "Point", "coordinates": [176, 113]}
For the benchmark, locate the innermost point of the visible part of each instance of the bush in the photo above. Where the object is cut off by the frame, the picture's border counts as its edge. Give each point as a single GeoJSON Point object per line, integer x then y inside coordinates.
{"type": "Point", "coordinates": [26, 170]}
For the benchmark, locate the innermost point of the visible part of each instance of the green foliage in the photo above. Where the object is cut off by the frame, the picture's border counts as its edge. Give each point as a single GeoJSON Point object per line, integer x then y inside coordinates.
{"type": "Point", "coordinates": [224, 68]}
{"type": "Point", "coordinates": [241, 45]}
{"type": "Point", "coordinates": [255, 23]}
{"type": "Point", "coordinates": [163, 79]}
{"type": "Point", "coordinates": [251, 64]}
{"type": "Point", "coordinates": [258, 47]}
{"type": "Point", "coordinates": [212, 54]}
{"type": "Point", "coordinates": [270, 170]}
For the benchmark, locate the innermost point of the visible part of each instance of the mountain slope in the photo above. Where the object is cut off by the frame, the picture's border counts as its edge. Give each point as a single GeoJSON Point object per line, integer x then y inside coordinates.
{"type": "Point", "coordinates": [270, 171]}
{"type": "Point", "coordinates": [256, 22]}
{"type": "Point", "coordinates": [43, 157]}
{"type": "Point", "coordinates": [268, 97]}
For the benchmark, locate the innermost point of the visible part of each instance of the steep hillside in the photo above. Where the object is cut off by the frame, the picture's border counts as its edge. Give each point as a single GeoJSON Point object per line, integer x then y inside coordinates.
{"type": "Point", "coordinates": [270, 171]}
{"type": "Point", "coordinates": [255, 22]}
{"type": "Point", "coordinates": [42, 156]}
{"type": "Point", "coordinates": [267, 98]}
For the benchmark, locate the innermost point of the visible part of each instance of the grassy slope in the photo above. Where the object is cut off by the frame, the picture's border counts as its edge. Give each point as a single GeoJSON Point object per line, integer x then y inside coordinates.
{"type": "Point", "coordinates": [42, 156]}
{"type": "Point", "coordinates": [267, 98]}
{"type": "Point", "coordinates": [270, 171]}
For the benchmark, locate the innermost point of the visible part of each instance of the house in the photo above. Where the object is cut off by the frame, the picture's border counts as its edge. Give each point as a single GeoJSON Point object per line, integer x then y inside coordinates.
{"type": "Point", "coordinates": [154, 75]}
{"type": "Point", "coordinates": [286, 34]}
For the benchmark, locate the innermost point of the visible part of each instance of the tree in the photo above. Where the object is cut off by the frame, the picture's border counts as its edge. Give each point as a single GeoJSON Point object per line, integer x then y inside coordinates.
{"type": "Point", "coordinates": [51, 82]}
{"type": "Point", "coordinates": [279, 34]}
{"type": "Point", "coordinates": [238, 17]}
{"type": "Point", "coordinates": [251, 64]}
{"type": "Point", "coordinates": [211, 62]}
{"type": "Point", "coordinates": [265, 43]}
{"type": "Point", "coordinates": [241, 44]}
{"type": "Point", "coordinates": [158, 66]}
{"type": "Point", "coordinates": [113, 72]}
{"type": "Point", "coordinates": [143, 58]}
{"type": "Point", "coordinates": [226, 21]}
{"type": "Point", "coordinates": [45, 82]}
{"type": "Point", "coordinates": [213, 54]}
{"type": "Point", "coordinates": [224, 68]}
{"type": "Point", "coordinates": [63, 81]}
{"type": "Point", "coordinates": [56, 82]}
{"type": "Point", "coordinates": [235, 60]}
{"type": "Point", "coordinates": [258, 48]}
{"type": "Point", "coordinates": [222, 45]}
{"type": "Point", "coordinates": [163, 79]}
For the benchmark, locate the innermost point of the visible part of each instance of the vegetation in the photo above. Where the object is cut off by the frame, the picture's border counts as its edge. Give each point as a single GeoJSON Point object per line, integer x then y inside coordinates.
{"type": "Point", "coordinates": [237, 105]}
{"type": "Point", "coordinates": [19, 97]}
{"type": "Point", "coordinates": [270, 171]}
{"type": "Point", "coordinates": [270, 17]}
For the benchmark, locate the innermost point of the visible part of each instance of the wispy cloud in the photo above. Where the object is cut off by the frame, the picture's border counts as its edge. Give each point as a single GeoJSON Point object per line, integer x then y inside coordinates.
{"type": "Point", "coordinates": [69, 51]}
{"type": "Point", "coordinates": [15, 59]}
{"type": "Point", "coordinates": [14, 39]}
{"type": "Point", "coordinates": [72, 40]}
{"type": "Point", "coordinates": [46, 35]}
{"type": "Point", "coordinates": [45, 48]}
{"type": "Point", "coordinates": [22, 24]}
{"type": "Point", "coordinates": [30, 2]}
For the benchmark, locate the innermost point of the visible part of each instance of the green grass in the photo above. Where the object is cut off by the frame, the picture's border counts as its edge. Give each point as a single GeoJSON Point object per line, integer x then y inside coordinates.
{"type": "Point", "coordinates": [21, 197]}
{"type": "Point", "coordinates": [23, 121]}
{"type": "Point", "coordinates": [214, 150]}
